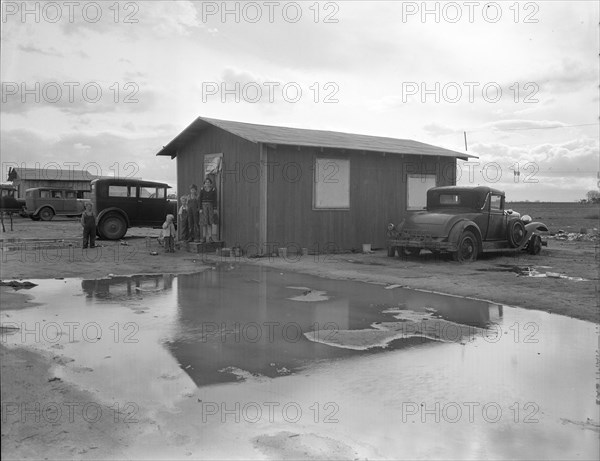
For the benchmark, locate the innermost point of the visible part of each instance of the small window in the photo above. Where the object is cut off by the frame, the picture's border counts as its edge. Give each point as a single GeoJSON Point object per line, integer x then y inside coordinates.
{"type": "Point", "coordinates": [149, 192]}
{"type": "Point", "coordinates": [70, 194]}
{"type": "Point", "coordinates": [332, 184]}
{"type": "Point", "coordinates": [44, 194]}
{"type": "Point", "coordinates": [496, 202]}
{"type": "Point", "coordinates": [117, 191]}
{"type": "Point", "coordinates": [417, 186]}
{"type": "Point", "coordinates": [449, 199]}
{"type": "Point", "coordinates": [57, 194]}
{"type": "Point", "coordinates": [5, 193]}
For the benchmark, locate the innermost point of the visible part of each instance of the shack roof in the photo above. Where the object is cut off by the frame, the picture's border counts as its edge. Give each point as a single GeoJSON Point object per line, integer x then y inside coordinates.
{"type": "Point", "coordinates": [270, 134]}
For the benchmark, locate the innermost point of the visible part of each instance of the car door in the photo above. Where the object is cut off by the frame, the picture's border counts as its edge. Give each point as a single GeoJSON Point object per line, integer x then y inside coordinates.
{"type": "Point", "coordinates": [497, 219]}
{"type": "Point", "coordinates": [70, 202]}
{"type": "Point", "coordinates": [152, 203]}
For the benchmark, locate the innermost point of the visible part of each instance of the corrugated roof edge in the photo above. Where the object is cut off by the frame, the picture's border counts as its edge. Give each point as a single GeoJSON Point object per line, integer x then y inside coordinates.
{"type": "Point", "coordinates": [272, 134]}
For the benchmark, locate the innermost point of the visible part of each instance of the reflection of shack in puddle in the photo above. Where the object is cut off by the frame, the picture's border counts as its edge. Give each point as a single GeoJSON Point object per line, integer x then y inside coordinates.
{"type": "Point", "coordinates": [257, 321]}
{"type": "Point", "coordinates": [126, 287]}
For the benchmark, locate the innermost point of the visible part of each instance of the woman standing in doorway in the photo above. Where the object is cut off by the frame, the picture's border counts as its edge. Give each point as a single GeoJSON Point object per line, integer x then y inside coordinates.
{"type": "Point", "coordinates": [208, 203]}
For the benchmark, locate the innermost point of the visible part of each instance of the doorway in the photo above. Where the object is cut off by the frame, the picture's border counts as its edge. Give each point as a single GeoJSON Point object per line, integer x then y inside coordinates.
{"type": "Point", "coordinates": [213, 170]}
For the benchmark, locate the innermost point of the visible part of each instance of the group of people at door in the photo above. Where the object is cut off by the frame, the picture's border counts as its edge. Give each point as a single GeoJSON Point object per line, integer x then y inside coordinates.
{"type": "Point", "coordinates": [197, 214]}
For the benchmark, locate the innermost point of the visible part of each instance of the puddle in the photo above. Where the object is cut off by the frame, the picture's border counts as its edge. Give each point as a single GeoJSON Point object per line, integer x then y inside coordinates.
{"type": "Point", "coordinates": [533, 271]}
{"type": "Point", "coordinates": [379, 353]}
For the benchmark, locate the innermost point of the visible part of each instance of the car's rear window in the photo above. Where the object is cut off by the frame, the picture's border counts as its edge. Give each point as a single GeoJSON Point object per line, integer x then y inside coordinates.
{"type": "Point", "coordinates": [450, 199]}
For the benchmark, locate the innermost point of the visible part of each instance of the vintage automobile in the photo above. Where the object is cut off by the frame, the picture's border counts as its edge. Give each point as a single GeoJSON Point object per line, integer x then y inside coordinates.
{"type": "Point", "coordinates": [46, 202]}
{"type": "Point", "coordinates": [9, 202]}
{"type": "Point", "coordinates": [121, 203]}
{"type": "Point", "coordinates": [465, 222]}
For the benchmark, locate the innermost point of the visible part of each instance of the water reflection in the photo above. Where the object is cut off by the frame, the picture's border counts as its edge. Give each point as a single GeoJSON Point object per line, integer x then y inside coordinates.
{"type": "Point", "coordinates": [233, 320]}
{"type": "Point", "coordinates": [242, 318]}
{"type": "Point", "coordinates": [119, 286]}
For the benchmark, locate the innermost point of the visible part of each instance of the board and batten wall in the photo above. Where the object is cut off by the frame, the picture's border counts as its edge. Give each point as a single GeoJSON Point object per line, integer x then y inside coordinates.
{"type": "Point", "coordinates": [377, 197]}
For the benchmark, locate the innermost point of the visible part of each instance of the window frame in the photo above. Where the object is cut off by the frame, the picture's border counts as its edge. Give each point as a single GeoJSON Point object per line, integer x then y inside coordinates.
{"type": "Point", "coordinates": [316, 191]}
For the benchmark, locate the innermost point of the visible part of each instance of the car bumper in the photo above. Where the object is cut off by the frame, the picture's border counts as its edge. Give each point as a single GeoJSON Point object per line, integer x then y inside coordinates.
{"type": "Point", "coordinates": [428, 244]}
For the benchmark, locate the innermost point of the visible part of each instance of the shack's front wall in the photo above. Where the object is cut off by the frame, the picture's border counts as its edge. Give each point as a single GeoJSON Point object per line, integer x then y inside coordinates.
{"type": "Point", "coordinates": [239, 196]}
{"type": "Point", "coordinates": [378, 195]}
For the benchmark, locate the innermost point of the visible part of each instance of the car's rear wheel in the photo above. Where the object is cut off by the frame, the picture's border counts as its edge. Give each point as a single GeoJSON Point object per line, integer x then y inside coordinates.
{"type": "Point", "coordinates": [112, 226]}
{"type": "Point", "coordinates": [516, 233]}
{"type": "Point", "coordinates": [46, 214]}
{"type": "Point", "coordinates": [535, 245]}
{"type": "Point", "coordinates": [468, 248]}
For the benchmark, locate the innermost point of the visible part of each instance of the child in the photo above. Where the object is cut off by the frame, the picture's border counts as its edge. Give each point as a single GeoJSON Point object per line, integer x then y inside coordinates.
{"type": "Point", "coordinates": [182, 220]}
{"type": "Point", "coordinates": [193, 214]}
{"type": "Point", "coordinates": [88, 222]}
{"type": "Point", "coordinates": [208, 199]}
{"type": "Point", "coordinates": [169, 233]}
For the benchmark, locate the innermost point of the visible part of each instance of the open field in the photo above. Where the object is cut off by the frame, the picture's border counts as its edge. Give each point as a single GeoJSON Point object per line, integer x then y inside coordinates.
{"type": "Point", "coordinates": [570, 217]}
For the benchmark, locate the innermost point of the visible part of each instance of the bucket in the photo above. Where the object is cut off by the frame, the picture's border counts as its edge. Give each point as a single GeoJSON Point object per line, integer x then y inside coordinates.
{"type": "Point", "coordinates": [282, 252]}
{"type": "Point", "coordinates": [366, 247]}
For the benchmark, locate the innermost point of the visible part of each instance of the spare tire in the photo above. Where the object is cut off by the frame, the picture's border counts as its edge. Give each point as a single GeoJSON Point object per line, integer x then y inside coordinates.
{"type": "Point", "coordinates": [516, 233]}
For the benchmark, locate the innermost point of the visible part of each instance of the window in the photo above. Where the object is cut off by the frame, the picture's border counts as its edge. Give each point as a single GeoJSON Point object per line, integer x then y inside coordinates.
{"type": "Point", "coordinates": [118, 191]}
{"type": "Point", "coordinates": [152, 192]}
{"type": "Point", "coordinates": [70, 194]}
{"type": "Point", "coordinates": [449, 199]}
{"type": "Point", "coordinates": [496, 203]}
{"type": "Point", "coordinates": [332, 183]}
{"type": "Point", "coordinates": [44, 194]}
{"type": "Point", "coordinates": [417, 186]}
{"type": "Point", "coordinates": [56, 194]}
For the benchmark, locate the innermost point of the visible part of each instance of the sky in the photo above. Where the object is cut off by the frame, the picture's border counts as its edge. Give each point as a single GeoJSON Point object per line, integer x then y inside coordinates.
{"type": "Point", "coordinates": [102, 86]}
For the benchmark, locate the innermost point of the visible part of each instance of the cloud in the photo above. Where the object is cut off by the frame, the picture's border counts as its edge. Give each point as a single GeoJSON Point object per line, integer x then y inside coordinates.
{"type": "Point", "coordinates": [34, 49]}
{"type": "Point", "coordinates": [515, 125]}
{"type": "Point", "coordinates": [104, 153]}
{"type": "Point", "coordinates": [77, 98]}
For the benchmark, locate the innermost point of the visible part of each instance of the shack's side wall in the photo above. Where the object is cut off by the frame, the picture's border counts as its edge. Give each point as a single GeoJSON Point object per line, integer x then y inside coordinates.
{"type": "Point", "coordinates": [377, 197]}
{"type": "Point", "coordinates": [239, 196]}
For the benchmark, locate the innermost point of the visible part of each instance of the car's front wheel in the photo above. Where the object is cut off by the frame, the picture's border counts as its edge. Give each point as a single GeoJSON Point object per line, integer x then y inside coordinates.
{"type": "Point", "coordinates": [46, 214]}
{"type": "Point", "coordinates": [112, 227]}
{"type": "Point", "coordinates": [468, 248]}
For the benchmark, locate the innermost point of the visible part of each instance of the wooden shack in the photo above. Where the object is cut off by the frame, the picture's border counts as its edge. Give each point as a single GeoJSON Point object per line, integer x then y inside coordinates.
{"type": "Point", "coordinates": [323, 191]}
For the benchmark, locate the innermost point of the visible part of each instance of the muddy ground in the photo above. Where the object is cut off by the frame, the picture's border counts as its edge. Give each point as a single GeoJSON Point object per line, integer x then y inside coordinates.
{"type": "Point", "coordinates": [495, 277]}
{"type": "Point", "coordinates": [54, 252]}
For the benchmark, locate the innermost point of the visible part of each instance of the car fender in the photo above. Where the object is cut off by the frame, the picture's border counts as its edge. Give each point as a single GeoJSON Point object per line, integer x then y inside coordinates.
{"type": "Point", "coordinates": [113, 210]}
{"type": "Point", "coordinates": [461, 226]}
{"type": "Point", "coordinates": [535, 228]}
{"type": "Point", "coordinates": [38, 209]}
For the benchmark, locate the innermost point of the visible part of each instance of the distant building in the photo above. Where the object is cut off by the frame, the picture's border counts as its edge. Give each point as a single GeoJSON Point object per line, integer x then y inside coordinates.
{"type": "Point", "coordinates": [295, 188]}
{"type": "Point", "coordinates": [26, 178]}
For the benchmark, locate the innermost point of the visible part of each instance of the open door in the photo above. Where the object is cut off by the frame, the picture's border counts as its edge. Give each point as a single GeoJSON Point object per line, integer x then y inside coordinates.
{"type": "Point", "coordinates": [212, 169]}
